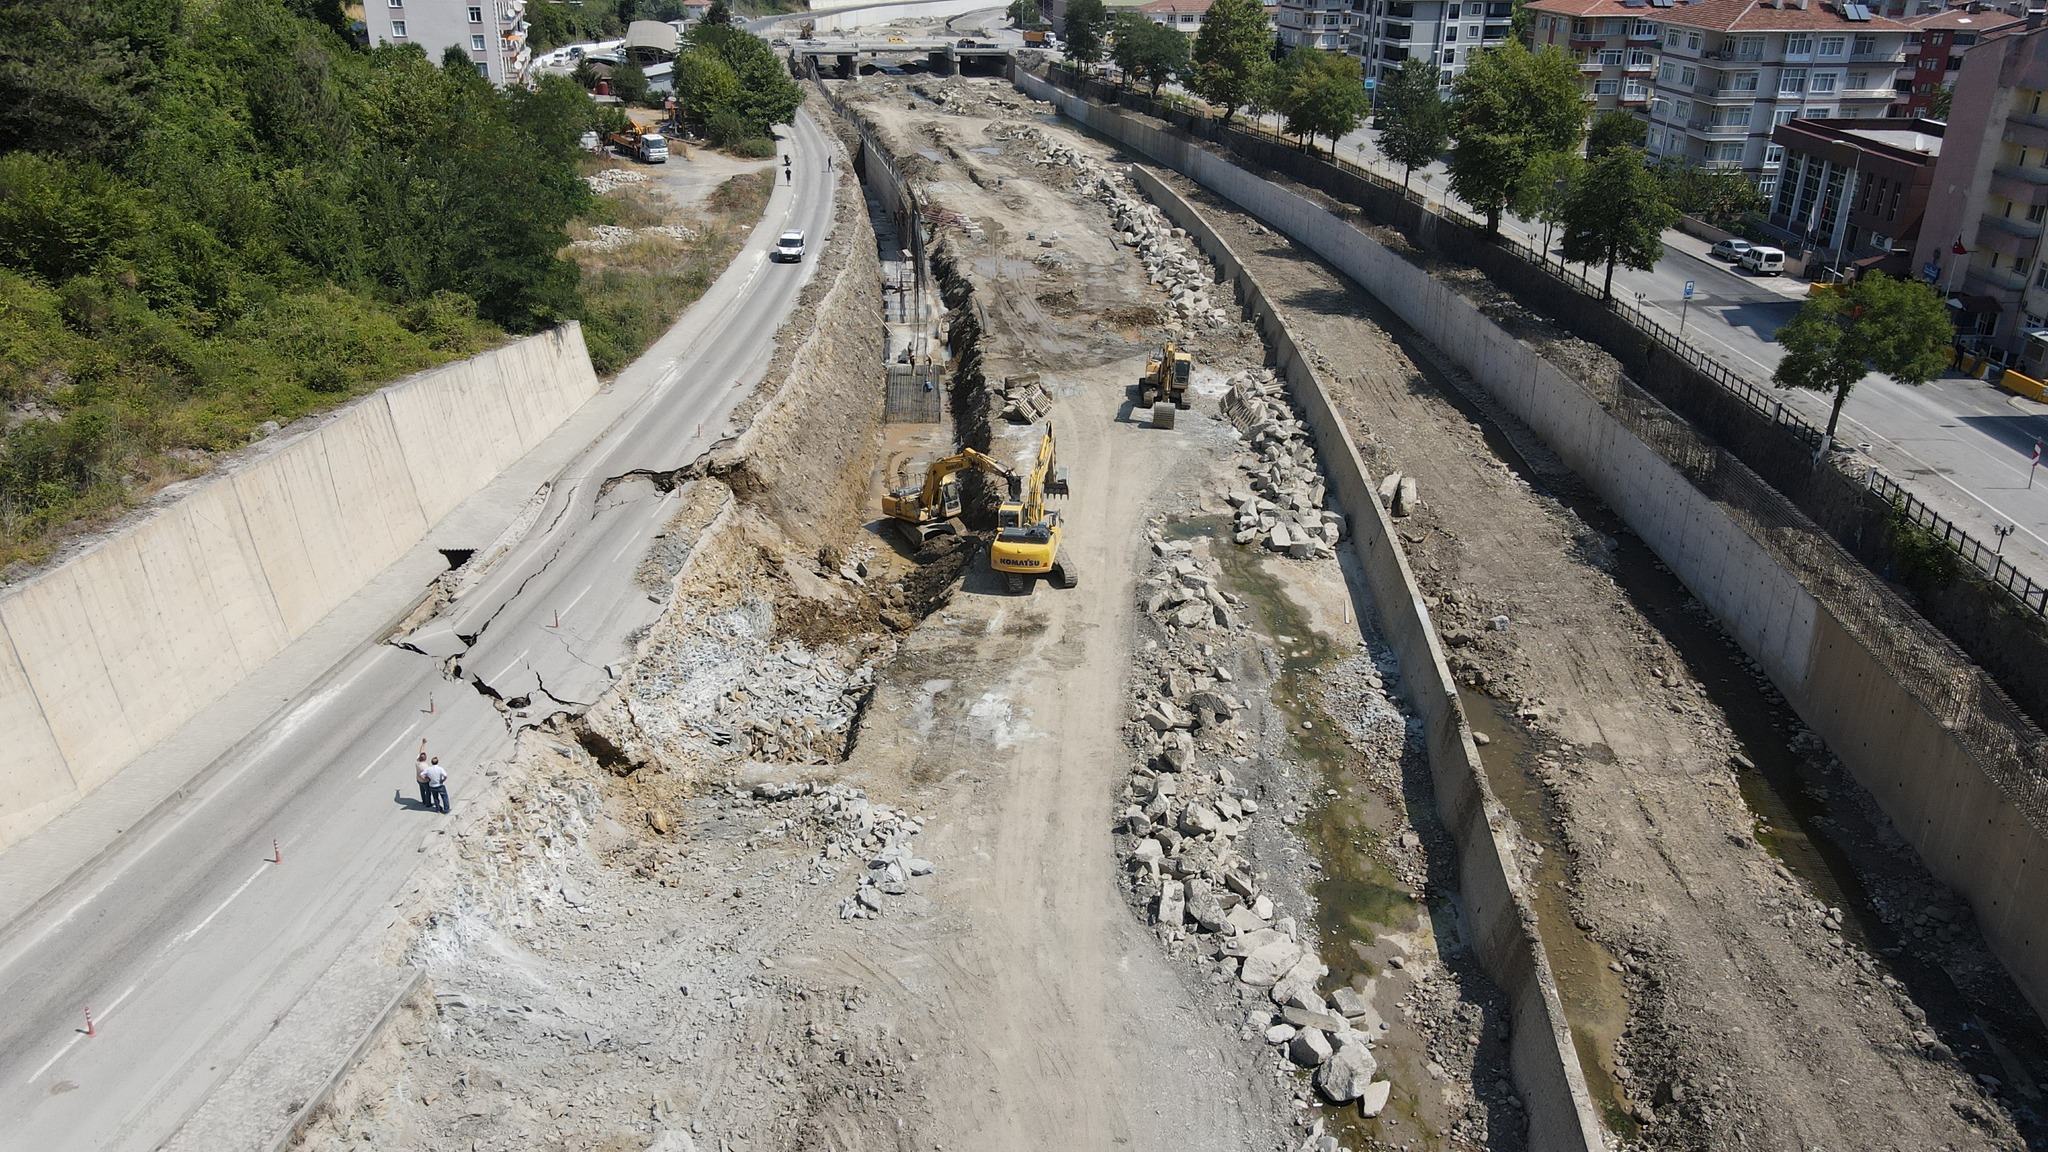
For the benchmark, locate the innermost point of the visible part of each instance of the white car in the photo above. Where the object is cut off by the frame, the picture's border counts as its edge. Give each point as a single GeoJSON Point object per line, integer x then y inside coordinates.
{"type": "Point", "coordinates": [789, 247]}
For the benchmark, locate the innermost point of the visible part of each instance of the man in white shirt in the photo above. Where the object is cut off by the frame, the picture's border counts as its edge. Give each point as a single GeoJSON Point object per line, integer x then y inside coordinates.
{"type": "Point", "coordinates": [434, 785]}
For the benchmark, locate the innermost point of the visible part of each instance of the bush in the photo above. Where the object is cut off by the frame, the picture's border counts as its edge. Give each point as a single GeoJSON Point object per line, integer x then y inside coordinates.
{"type": "Point", "coordinates": [756, 148]}
{"type": "Point", "coordinates": [1921, 557]}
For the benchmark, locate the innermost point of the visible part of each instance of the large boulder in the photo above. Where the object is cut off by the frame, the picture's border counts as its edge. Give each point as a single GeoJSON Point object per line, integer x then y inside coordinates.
{"type": "Point", "coordinates": [1265, 966]}
{"type": "Point", "coordinates": [1345, 1076]}
{"type": "Point", "coordinates": [1172, 904]}
{"type": "Point", "coordinates": [1310, 1048]}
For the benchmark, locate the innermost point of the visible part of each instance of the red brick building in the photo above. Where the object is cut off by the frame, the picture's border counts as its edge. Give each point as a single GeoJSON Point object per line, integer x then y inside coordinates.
{"type": "Point", "coordinates": [1934, 52]}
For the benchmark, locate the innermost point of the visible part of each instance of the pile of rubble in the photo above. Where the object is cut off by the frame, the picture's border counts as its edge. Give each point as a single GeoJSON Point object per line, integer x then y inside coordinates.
{"type": "Point", "coordinates": [1025, 400]}
{"type": "Point", "coordinates": [1182, 275]}
{"type": "Point", "coordinates": [854, 828]}
{"type": "Point", "coordinates": [611, 179]}
{"type": "Point", "coordinates": [975, 98]}
{"type": "Point", "coordinates": [1284, 502]}
{"type": "Point", "coordinates": [1184, 816]}
{"type": "Point", "coordinates": [611, 237]}
{"type": "Point", "coordinates": [719, 689]}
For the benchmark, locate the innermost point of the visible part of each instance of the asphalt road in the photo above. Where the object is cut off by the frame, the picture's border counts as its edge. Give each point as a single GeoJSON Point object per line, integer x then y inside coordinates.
{"type": "Point", "coordinates": [188, 944]}
{"type": "Point", "coordinates": [1961, 444]}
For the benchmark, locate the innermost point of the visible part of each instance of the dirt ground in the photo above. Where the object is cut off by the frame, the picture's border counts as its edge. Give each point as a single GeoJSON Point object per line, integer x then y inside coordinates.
{"type": "Point", "coordinates": [1752, 1009]}
{"type": "Point", "coordinates": [663, 938]}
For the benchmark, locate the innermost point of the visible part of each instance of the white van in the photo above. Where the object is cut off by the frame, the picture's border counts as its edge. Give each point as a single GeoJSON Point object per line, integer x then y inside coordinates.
{"type": "Point", "coordinates": [1763, 261]}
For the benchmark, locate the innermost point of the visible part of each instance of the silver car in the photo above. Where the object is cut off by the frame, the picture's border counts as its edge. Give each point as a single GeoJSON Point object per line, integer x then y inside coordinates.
{"type": "Point", "coordinates": [1730, 249]}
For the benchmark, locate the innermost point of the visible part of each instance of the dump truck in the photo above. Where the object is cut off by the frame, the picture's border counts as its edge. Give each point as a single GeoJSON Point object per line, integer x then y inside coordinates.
{"type": "Point", "coordinates": [1027, 543]}
{"type": "Point", "coordinates": [1037, 38]}
{"type": "Point", "coordinates": [646, 147]}
{"type": "Point", "coordinates": [932, 507]}
{"type": "Point", "coordinates": [1164, 386]}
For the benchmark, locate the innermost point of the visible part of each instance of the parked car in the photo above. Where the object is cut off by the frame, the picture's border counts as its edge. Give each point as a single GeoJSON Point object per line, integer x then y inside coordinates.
{"type": "Point", "coordinates": [1764, 261]}
{"type": "Point", "coordinates": [789, 247]}
{"type": "Point", "coordinates": [1730, 249]}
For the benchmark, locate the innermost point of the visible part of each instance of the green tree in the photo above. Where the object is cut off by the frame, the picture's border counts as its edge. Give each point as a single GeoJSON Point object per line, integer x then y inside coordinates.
{"type": "Point", "coordinates": [1897, 327]}
{"type": "Point", "coordinates": [1324, 96]}
{"type": "Point", "coordinates": [75, 75]}
{"type": "Point", "coordinates": [1087, 23]}
{"type": "Point", "coordinates": [629, 82]}
{"type": "Point", "coordinates": [719, 14]}
{"type": "Point", "coordinates": [1509, 107]}
{"type": "Point", "coordinates": [753, 84]}
{"type": "Point", "coordinates": [1231, 67]}
{"type": "Point", "coordinates": [1024, 13]}
{"type": "Point", "coordinates": [1613, 129]}
{"type": "Point", "coordinates": [1547, 189]}
{"type": "Point", "coordinates": [1414, 124]}
{"type": "Point", "coordinates": [1941, 102]}
{"type": "Point", "coordinates": [1148, 52]}
{"type": "Point", "coordinates": [1616, 214]}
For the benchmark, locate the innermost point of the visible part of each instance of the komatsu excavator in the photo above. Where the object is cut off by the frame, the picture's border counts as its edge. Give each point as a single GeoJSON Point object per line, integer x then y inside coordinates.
{"type": "Point", "coordinates": [1027, 542]}
{"type": "Point", "coordinates": [932, 508]}
{"type": "Point", "coordinates": [1164, 386]}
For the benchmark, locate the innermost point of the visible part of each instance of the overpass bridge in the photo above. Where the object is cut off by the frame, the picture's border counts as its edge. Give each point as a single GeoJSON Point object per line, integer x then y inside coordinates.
{"type": "Point", "coordinates": [943, 55]}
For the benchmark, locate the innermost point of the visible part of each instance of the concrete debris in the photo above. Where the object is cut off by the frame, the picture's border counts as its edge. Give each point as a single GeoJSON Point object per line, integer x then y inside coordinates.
{"type": "Point", "coordinates": [1347, 1073]}
{"type": "Point", "coordinates": [1309, 1048]}
{"type": "Point", "coordinates": [1373, 1100]}
{"type": "Point", "coordinates": [1025, 400]}
{"type": "Point", "coordinates": [1283, 503]}
{"type": "Point", "coordinates": [1406, 502]}
{"type": "Point", "coordinates": [612, 179]}
{"type": "Point", "coordinates": [612, 237]}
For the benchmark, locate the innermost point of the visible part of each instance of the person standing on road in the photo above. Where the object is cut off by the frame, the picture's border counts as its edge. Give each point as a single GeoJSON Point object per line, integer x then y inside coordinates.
{"type": "Point", "coordinates": [434, 784]}
{"type": "Point", "coordinates": [419, 774]}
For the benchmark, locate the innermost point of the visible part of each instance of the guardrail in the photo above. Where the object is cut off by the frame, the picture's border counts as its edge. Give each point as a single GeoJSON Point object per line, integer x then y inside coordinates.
{"type": "Point", "coordinates": [2024, 591]}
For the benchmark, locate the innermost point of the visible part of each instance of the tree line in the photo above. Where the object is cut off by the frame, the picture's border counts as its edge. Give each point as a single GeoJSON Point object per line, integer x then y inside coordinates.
{"type": "Point", "coordinates": [221, 214]}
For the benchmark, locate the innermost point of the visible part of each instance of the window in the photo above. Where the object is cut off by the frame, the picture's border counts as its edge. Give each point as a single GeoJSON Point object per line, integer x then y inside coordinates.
{"type": "Point", "coordinates": [1683, 111]}
{"type": "Point", "coordinates": [1645, 30]}
{"type": "Point", "coordinates": [1792, 80]}
{"type": "Point", "coordinates": [1671, 38]}
{"type": "Point", "coordinates": [1930, 64]}
{"type": "Point", "coordinates": [1692, 41]}
{"type": "Point", "coordinates": [2041, 276]}
{"type": "Point", "coordinates": [1606, 87]}
{"type": "Point", "coordinates": [1864, 46]}
{"type": "Point", "coordinates": [1668, 73]}
{"type": "Point", "coordinates": [1471, 31]}
{"type": "Point", "coordinates": [1688, 76]}
{"type": "Point", "coordinates": [1857, 82]}
{"type": "Point", "coordinates": [1731, 151]}
{"type": "Point", "coordinates": [1749, 48]}
{"type": "Point", "coordinates": [398, 29]}
{"type": "Point", "coordinates": [1731, 117]}
{"type": "Point", "coordinates": [1799, 44]}
{"type": "Point", "coordinates": [1831, 45]}
{"type": "Point", "coordinates": [1611, 57]}
{"type": "Point", "coordinates": [483, 70]}
{"type": "Point", "coordinates": [1783, 116]}
{"type": "Point", "coordinates": [476, 43]}
{"type": "Point", "coordinates": [1450, 35]}
{"type": "Point", "coordinates": [1443, 79]}
{"type": "Point", "coordinates": [1818, 113]}
{"type": "Point", "coordinates": [1615, 27]}
{"type": "Point", "coordinates": [1450, 55]}
{"type": "Point", "coordinates": [398, 3]}
{"type": "Point", "coordinates": [2037, 213]}
{"type": "Point", "coordinates": [476, 14]}
{"type": "Point", "coordinates": [1825, 81]}
{"type": "Point", "coordinates": [1774, 154]}
{"type": "Point", "coordinates": [1454, 12]}
{"type": "Point", "coordinates": [1640, 58]}
{"type": "Point", "coordinates": [1767, 185]}
{"type": "Point", "coordinates": [1742, 82]}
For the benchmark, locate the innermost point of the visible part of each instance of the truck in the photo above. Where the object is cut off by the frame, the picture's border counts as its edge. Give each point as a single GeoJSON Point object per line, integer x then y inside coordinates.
{"type": "Point", "coordinates": [1037, 38]}
{"type": "Point", "coordinates": [646, 147]}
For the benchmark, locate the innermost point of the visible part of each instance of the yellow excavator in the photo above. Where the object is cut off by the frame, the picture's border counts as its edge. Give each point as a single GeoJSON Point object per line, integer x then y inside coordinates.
{"type": "Point", "coordinates": [930, 509]}
{"type": "Point", "coordinates": [1027, 542]}
{"type": "Point", "coordinates": [1164, 386]}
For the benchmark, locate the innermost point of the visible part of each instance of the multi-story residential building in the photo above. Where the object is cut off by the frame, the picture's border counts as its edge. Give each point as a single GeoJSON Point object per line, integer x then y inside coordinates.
{"type": "Point", "coordinates": [1723, 73]}
{"type": "Point", "coordinates": [1934, 52]}
{"type": "Point", "coordinates": [1180, 15]}
{"type": "Point", "coordinates": [1446, 32]}
{"type": "Point", "coordinates": [1854, 192]}
{"type": "Point", "coordinates": [1982, 238]}
{"type": "Point", "coordinates": [1320, 24]}
{"type": "Point", "coordinates": [492, 32]}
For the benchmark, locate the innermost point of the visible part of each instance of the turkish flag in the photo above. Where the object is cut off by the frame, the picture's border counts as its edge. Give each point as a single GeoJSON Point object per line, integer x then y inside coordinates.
{"type": "Point", "coordinates": [1959, 249]}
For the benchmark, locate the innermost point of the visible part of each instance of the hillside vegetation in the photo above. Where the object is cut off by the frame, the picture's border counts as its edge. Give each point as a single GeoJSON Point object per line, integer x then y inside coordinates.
{"type": "Point", "coordinates": [218, 213]}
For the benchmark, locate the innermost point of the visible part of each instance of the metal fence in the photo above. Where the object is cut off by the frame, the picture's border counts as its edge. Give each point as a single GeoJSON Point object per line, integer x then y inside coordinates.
{"type": "Point", "coordinates": [2024, 591]}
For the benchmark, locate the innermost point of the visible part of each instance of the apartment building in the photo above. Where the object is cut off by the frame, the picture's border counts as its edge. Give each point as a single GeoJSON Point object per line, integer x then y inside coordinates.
{"type": "Point", "coordinates": [1447, 32]}
{"type": "Point", "coordinates": [1854, 192]}
{"type": "Point", "coordinates": [492, 32]}
{"type": "Point", "coordinates": [1320, 24]}
{"type": "Point", "coordinates": [1934, 52]}
{"type": "Point", "coordinates": [1982, 240]}
{"type": "Point", "coordinates": [1712, 78]}
{"type": "Point", "coordinates": [1180, 15]}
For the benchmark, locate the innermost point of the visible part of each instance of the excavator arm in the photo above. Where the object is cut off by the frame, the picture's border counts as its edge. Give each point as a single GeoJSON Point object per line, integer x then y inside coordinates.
{"type": "Point", "coordinates": [928, 509]}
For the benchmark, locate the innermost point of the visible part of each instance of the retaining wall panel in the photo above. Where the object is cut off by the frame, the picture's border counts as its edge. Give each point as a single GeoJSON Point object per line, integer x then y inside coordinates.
{"type": "Point", "coordinates": [33, 773]}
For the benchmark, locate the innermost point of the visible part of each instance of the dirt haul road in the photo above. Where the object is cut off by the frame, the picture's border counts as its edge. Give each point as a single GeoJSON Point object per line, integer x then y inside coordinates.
{"type": "Point", "coordinates": [834, 866]}
{"type": "Point", "coordinates": [1752, 1009]}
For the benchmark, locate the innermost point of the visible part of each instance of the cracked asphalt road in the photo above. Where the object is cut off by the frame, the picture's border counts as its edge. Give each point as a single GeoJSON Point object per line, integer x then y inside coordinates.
{"type": "Point", "coordinates": [187, 944]}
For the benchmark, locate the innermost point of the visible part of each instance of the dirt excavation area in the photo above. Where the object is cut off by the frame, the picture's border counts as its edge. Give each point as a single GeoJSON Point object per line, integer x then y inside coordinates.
{"type": "Point", "coordinates": [865, 851]}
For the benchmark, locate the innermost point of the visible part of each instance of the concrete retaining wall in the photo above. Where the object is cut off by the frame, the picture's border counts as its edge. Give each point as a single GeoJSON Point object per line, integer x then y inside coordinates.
{"type": "Point", "coordinates": [1501, 917]}
{"type": "Point", "coordinates": [111, 651]}
{"type": "Point", "coordinates": [1972, 831]}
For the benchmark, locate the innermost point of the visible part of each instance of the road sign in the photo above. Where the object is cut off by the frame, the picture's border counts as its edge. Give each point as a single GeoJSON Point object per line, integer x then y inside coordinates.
{"type": "Point", "coordinates": [1688, 289]}
{"type": "Point", "coordinates": [1371, 83]}
{"type": "Point", "coordinates": [1931, 271]}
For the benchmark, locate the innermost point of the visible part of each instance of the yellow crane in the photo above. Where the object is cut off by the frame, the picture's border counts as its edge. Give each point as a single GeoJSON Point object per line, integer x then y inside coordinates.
{"type": "Point", "coordinates": [1164, 386]}
{"type": "Point", "coordinates": [929, 509]}
{"type": "Point", "coordinates": [1027, 542]}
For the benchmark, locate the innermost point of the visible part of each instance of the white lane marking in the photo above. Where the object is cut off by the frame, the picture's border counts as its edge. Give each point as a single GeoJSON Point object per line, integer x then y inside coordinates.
{"type": "Point", "coordinates": [97, 1020]}
{"type": "Point", "coordinates": [516, 662]}
{"type": "Point", "coordinates": [199, 927]}
{"type": "Point", "coordinates": [580, 596]}
{"type": "Point", "coordinates": [387, 750]}
{"type": "Point", "coordinates": [631, 540]}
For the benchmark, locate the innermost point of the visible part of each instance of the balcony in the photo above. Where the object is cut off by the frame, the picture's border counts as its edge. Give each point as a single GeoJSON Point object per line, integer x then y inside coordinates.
{"type": "Point", "coordinates": [1993, 280]}
{"type": "Point", "coordinates": [1590, 65]}
{"type": "Point", "coordinates": [2026, 131]}
{"type": "Point", "coordinates": [2007, 236]}
{"type": "Point", "coordinates": [1641, 67]}
{"type": "Point", "coordinates": [2017, 189]}
{"type": "Point", "coordinates": [1639, 36]}
{"type": "Point", "coordinates": [1715, 131]}
{"type": "Point", "coordinates": [1895, 56]}
{"type": "Point", "coordinates": [1588, 38]}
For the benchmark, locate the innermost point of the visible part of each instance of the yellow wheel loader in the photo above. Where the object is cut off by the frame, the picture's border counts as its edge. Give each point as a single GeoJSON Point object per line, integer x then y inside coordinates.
{"type": "Point", "coordinates": [1164, 386]}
